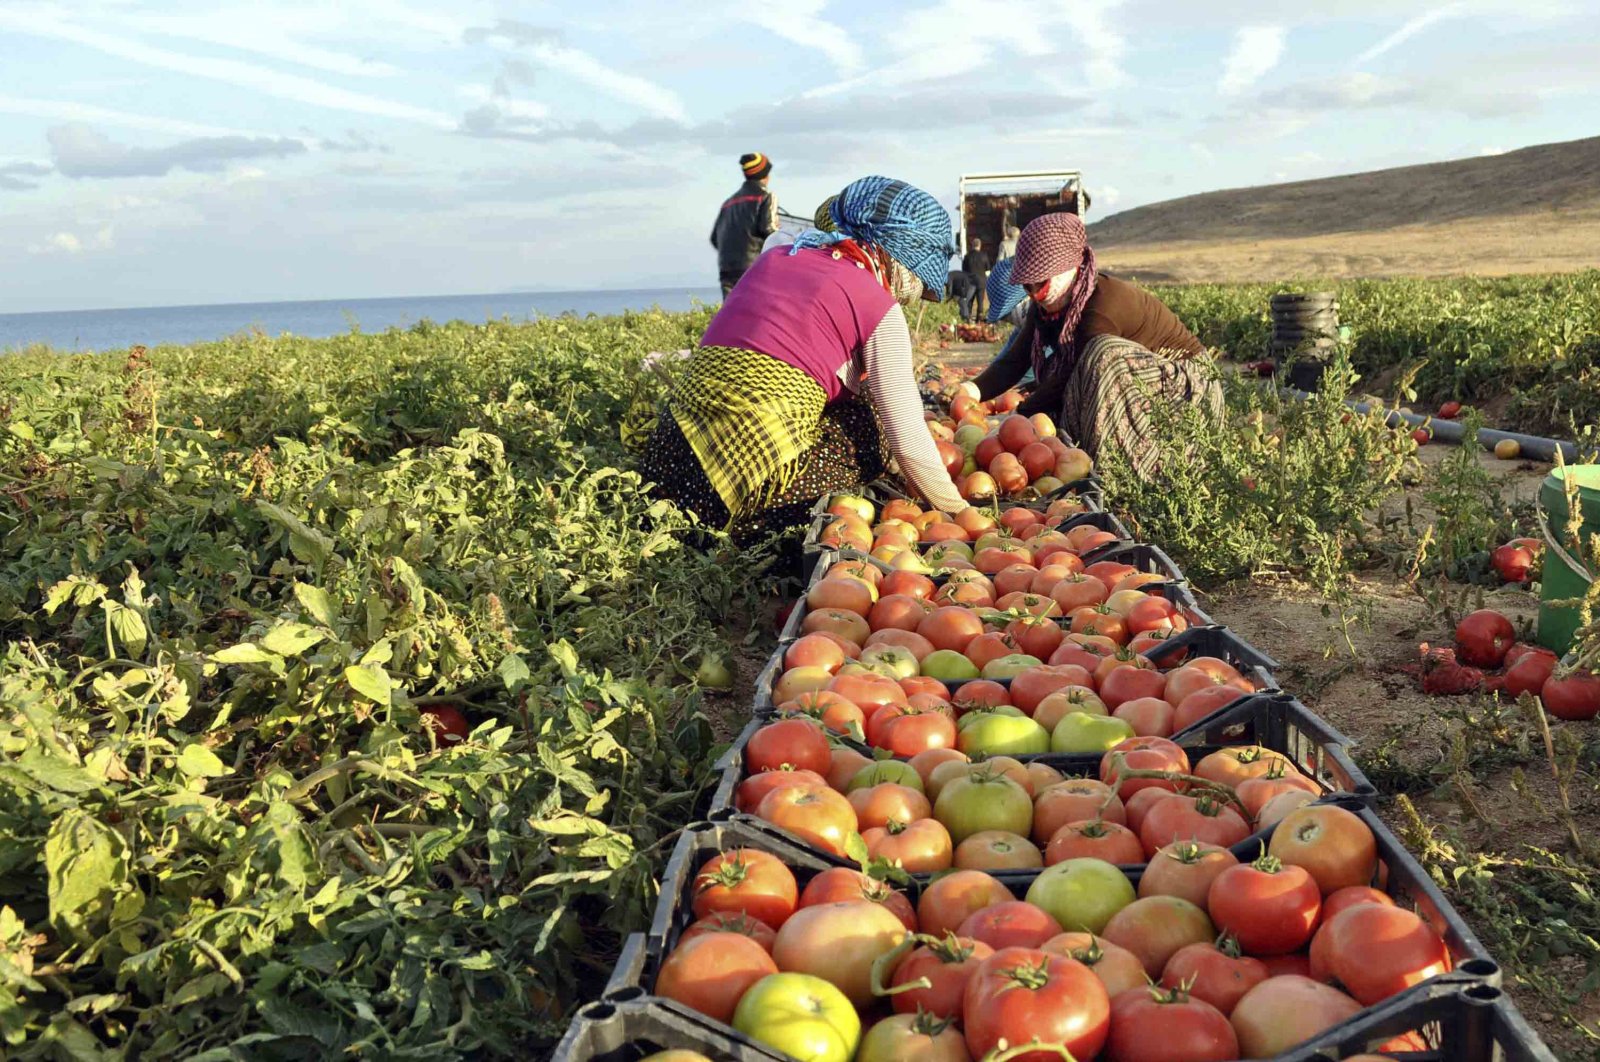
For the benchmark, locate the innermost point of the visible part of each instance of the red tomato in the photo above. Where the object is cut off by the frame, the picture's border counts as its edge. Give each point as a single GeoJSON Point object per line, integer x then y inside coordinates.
{"type": "Point", "coordinates": [1512, 562]}
{"type": "Point", "coordinates": [947, 902]}
{"type": "Point", "coordinates": [1271, 908]}
{"type": "Point", "coordinates": [1184, 818]}
{"type": "Point", "coordinates": [1341, 899]}
{"type": "Point", "coordinates": [1035, 684]}
{"type": "Point", "coordinates": [1185, 869]}
{"type": "Point", "coordinates": [1231, 766]}
{"type": "Point", "coordinates": [813, 813]}
{"type": "Point", "coordinates": [845, 884]}
{"type": "Point", "coordinates": [1094, 839]}
{"type": "Point", "coordinates": [913, 731]}
{"type": "Point", "coordinates": [711, 973]}
{"type": "Point", "coordinates": [1154, 614]}
{"type": "Point", "coordinates": [920, 847]}
{"type": "Point", "coordinates": [1572, 695]}
{"type": "Point", "coordinates": [1157, 927]}
{"type": "Point", "coordinates": [948, 964]}
{"type": "Point", "coordinates": [1118, 968]}
{"type": "Point", "coordinates": [1013, 924]}
{"type": "Point", "coordinates": [1282, 1011]}
{"type": "Point", "coordinates": [746, 881]}
{"type": "Point", "coordinates": [1216, 973]}
{"type": "Point", "coordinates": [1450, 410]}
{"type": "Point", "coordinates": [1198, 705]}
{"type": "Point", "coordinates": [1377, 951]}
{"type": "Point", "coordinates": [447, 724]}
{"type": "Point", "coordinates": [1334, 846]}
{"type": "Point", "coordinates": [1142, 754]}
{"type": "Point", "coordinates": [1529, 673]}
{"type": "Point", "coordinates": [1022, 994]}
{"type": "Point", "coordinates": [877, 805]}
{"type": "Point", "coordinates": [1168, 1025]}
{"type": "Point", "coordinates": [801, 744]}
{"type": "Point", "coordinates": [739, 922]}
{"type": "Point", "coordinates": [1483, 637]}
{"type": "Point", "coordinates": [751, 791]}
{"type": "Point", "coordinates": [1421, 436]}
{"type": "Point", "coordinates": [1131, 683]}
{"type": "Point", "coordinates": [839, 942]}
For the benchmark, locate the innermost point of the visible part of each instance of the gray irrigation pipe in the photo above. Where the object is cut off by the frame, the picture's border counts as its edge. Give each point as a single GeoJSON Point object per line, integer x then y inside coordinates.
{"type": "Point", "coordinates": [1449, 431]}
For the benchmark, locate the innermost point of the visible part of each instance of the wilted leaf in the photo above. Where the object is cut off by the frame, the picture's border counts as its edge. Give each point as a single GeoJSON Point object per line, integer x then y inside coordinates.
{"type": "Point", "coordinates": [197, 761]}
{"type": "Point", "coordinates": [317, 602]}
{"type": "Point", "coordinates": [85, 863]}
{"type": "Point", "coordinates": [292, 639]}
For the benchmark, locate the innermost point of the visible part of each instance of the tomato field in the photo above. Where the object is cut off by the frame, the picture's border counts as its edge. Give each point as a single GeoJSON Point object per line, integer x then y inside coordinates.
{"type": "Point", "coordinates": [251, 592]}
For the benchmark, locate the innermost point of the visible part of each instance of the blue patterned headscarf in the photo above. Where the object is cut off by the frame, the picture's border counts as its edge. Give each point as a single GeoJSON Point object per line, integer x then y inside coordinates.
{"type": "Point", "coordinates": [1004, 296]}
{"type": "Point", "coordinates": [908, 223]}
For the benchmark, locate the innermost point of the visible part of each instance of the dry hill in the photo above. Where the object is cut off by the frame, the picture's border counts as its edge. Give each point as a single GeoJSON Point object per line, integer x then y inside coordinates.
{"type": "Point", "coordinates": [1532, 210]}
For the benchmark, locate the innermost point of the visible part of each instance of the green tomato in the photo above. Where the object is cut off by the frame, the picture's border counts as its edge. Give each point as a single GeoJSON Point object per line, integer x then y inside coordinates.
{"type": "Point", "coordinates": [983, 800]}
{"type": "Point", "coordinates": [714, 674]}
{"type": "Point", "coordinates": [881, 668]}
{"type": "Point", "coordinates": [1000, 709]}
{"type": "Point", "coordinates": [997, 734]}
{"type": "Point", "coordinates": [968, 436]}
{"type": "Point", "coordinates": [1010, 666]}
{"type": "Point", "coordinates": [901, 662]}
{"type": "Point", "coordinates": [1084, 733]}
{"type": "Point", "coordinates": [1081, 894]}
{"type": "Point", "coordinates": [800, 1015]}
{"type": "Point", "coordinates": [885, 771]}
{"type": "Point", "coordinates": [947, 665]}
{"type": "Point", "coordinates": [937, 555]}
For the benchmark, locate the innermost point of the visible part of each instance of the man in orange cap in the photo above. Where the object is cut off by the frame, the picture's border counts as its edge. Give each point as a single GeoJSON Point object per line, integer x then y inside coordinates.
{"type": "Point", "coordinates": [746, 219]}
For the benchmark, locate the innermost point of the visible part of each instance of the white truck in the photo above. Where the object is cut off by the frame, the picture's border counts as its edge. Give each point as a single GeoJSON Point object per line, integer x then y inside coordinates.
{"type": "Point", "coordinates": [991, 203]}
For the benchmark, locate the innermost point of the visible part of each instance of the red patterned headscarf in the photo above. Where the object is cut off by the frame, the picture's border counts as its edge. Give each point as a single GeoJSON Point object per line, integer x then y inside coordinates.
{"type": "Point", "coordinates": [1053, 245]}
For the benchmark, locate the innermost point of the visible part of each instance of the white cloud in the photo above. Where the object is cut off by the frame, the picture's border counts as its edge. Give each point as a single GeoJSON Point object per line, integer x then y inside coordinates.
{"type": "Point", "coordinates": [522, 110]}
{"type": "Point", "coordinates": [543, 46]}
{"type": "Point", "coordinates": [800, 22]}
{"type": "Point", "coordinates": [1103, 45]}
{"type": "Point", "coordinates": [1412, 27]}
{"type": "Point", "coordinates": [1492, 149]}
{"type": "Point", "coordinates": [261, 36]}
{"type": "Point", "coordinates": [1107, 195]}
{"type": "Point", "coordinates": [230, 71]}
{"type": "Point", "coordinates": [70, 243]}
{"type": "Point", "coordinates": [1256, 50]}
{"type": "Point", "coordinates": [70, 111]}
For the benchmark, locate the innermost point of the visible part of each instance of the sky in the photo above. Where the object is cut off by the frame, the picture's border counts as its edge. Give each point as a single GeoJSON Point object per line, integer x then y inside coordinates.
{"type": "Point", "coordinates": [172, 152]}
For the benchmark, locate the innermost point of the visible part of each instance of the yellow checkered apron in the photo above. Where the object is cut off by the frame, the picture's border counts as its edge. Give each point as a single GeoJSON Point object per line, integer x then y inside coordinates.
{"type": "Point", "coordinates": [750, 420]}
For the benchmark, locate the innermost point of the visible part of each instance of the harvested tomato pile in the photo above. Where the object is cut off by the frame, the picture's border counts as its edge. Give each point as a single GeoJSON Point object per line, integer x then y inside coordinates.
{"type": "Point", "coordinates": [1009, 793]}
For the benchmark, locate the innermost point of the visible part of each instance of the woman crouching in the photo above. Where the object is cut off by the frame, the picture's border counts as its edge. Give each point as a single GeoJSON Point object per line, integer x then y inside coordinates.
{"type": "Point", "coordinates": [771, 411]}
{"type": "Point", "coordinates": [1102, 350]}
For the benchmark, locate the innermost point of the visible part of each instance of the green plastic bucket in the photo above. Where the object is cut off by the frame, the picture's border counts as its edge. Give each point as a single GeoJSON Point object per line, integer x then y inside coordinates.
{"type": "Point", "coordinates": [1563, 579]}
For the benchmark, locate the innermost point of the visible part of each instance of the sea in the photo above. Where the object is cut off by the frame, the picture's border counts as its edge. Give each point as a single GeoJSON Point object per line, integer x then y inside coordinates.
{"type": "Point", "coordinates": [97, 330]}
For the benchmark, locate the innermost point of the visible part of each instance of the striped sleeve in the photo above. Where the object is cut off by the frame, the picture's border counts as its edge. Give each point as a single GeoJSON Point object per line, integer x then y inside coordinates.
{"type": "Point", "coordinates": [887, 354]}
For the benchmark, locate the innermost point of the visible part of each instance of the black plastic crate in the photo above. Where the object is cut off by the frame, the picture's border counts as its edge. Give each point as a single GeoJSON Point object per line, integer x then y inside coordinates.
{"type": "Point", "coordinates": [1459, 1023]}
{"type": "Point", "coordinates": [1273, 720]}
{"type": "Point", "coordinates": [1430, 1003]}
{"type": "Point", "coordinates": [628, 1030]}
{"type": "Point", "coordinates": [641, 957]}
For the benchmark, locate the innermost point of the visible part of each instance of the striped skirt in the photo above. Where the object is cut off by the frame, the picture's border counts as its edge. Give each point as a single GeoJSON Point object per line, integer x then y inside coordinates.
{"type": "Point", "coordinates": [1115, 386]}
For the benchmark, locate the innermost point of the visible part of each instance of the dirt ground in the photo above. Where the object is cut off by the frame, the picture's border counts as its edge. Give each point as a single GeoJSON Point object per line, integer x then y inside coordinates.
{"type": "Point", "coordinates": [1350, 673]}
{"type": "Point", "coordinates": [1533, 243]}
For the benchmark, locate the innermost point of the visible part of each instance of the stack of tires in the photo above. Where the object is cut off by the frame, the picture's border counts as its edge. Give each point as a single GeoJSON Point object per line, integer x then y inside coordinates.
{"type": "Point", "coordinates": [1305, 329]}
{"type": "Point", "coordinates": [969, 819]}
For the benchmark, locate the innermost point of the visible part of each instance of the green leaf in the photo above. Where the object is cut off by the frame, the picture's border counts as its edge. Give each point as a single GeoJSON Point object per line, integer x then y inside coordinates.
{"type": "Point", "coordinates": [245, 653]}
{"type": "Point", "coordinates": [21, 429]}
{"type": "Point", "coordinates": [369, 681]}
{"type": "Point", "coordinates": [856, 849]}
{"type": "Point", "coordinates": [292, 639]}
{"type": "Point", "coordinates": [316, 602]}
{"type": "Point", "coordinates": [513, 671]}
{"type": "Point", "coordinates": [85, 864]}
{"type": "Point", "coordinates": [53, 770]}
{"type": "Point", "coordinates": [565, 657]}
{"type": "Point", "coordinates": [570, 826]}
{"type": "Point", "coordinates": [128, 627]}
{"type": "Point", "coordinates": [197, 761]}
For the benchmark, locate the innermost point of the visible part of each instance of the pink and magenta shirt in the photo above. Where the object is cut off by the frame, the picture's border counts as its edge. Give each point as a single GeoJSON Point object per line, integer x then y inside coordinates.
{"type": "Point", "coordinates": [809, 310]}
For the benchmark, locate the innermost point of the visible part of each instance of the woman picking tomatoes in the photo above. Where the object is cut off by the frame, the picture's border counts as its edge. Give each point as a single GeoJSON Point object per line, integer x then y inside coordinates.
{"type": "Point", "coordinates": [770, 411]}
{"type": "Point", "coordinates": [1100, 348]}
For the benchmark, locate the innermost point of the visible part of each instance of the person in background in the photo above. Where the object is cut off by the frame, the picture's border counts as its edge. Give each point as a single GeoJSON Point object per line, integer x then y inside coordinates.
{"type": "Point", "coordinates": [1008, 246]}
{"type": "Point", "coordinates": [964, 291]}
{"type": "Point", "coordinates": [747, 218]}
{"type": "Point", "coordinates": [771, 410]}
{"type": "Point", "coordinates": [1100, 348]}
{"type": "Point", "coordinates": [976, 265]}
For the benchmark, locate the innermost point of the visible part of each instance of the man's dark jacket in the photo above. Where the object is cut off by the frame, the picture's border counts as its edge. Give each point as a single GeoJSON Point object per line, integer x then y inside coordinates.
{"type": "Point", "coordinates": [746, 219]}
